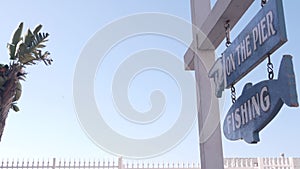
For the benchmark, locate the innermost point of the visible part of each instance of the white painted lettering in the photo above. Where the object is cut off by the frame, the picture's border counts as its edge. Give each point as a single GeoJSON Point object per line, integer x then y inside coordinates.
{"type": "Point", "coordinates": [228, 71]}
{"type": "Point", "coordinates": [249, 110]}
{"type": "Point", "coordinates": [259, 33]}
{"type": "Point", "coordinates": [230, 64]}
{"type": "Point", "coordinates": [228, 119]}
{"type": "Point", "coordinates": [237, 118]}
{"type": "Point", "coordinates": [243, 51]}
{"type": "Point", "coordinates": [263, 30]}
{"type": "Point", "coordinates": [237, 49]}
{"type": "Point", "coordinates": [265, 102]}
{"type": "Point", "coordinates": [255, 105]}
{"type": "Point", "coordinates": [271, 30]}
{"type": "Point", "coordinates": [248, 47]}
{"type": "Point", "coordinates": [244, 113]}
{"type": "Point", "coordinates": [255, 37]}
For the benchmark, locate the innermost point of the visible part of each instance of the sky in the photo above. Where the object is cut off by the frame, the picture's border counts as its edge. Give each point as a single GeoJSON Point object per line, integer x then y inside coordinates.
{"type": "Point", "coordinates": [48, 124]}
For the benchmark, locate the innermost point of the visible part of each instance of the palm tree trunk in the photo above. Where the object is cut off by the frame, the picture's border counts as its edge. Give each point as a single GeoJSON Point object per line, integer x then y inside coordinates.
{"type": "Point", "coordinates": [8, 94]}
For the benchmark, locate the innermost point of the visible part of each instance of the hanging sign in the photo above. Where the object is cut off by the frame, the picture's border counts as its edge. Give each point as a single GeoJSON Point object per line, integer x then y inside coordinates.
{"type": "Point", "coordinates": [260, 103]}
{"type": "Point", "coordinates": [262, 36]}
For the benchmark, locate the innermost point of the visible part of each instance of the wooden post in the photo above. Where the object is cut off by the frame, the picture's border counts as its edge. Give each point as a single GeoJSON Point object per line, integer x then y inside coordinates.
{"type": "Point", "coordinates": [211, 23]}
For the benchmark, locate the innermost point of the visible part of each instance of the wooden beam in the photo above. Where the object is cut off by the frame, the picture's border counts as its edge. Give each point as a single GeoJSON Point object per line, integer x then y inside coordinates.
{"type": "Point", "coordinates": [213, 26]}
{"type": "Point", "coordinates": [224, 10]}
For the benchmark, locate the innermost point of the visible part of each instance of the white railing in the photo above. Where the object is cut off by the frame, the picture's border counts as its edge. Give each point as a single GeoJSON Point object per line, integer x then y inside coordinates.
{"type": "Point", "coordinates": [240, 163]}
{"type": "Point", "coordinates": [270, 163]}
{"type": "Point", "coordinates": [57, 164]}
{"type": "Point", "coordinates": [229, 163]}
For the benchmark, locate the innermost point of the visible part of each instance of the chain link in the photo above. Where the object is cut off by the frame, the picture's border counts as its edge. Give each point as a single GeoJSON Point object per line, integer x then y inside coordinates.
{"type": "Point", "coordinates": [227, 33]}
{"type": "Point", "coordinates": [263, 3]}
{"type": "Point", "coordinates": [233, 94]}
{"type": "Point", "coordinates": [270, 69]}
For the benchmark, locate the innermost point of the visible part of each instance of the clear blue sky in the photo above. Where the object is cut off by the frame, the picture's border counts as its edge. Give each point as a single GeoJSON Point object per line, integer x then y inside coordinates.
{"type": "Point", "coordinates": [47, 125]}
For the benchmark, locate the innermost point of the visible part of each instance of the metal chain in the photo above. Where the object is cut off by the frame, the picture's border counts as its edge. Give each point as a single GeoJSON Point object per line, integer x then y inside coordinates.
{"type": "Point", "coordinates": [227, 43]}
{"type": "Point", "coordinates": [270, 68]}
{"type": "Point", "coordinates": [263, 3]}
{"type": "Point", "coordinates": [233, 94]}
{"type": "Point", "coordinates": [227, 33]}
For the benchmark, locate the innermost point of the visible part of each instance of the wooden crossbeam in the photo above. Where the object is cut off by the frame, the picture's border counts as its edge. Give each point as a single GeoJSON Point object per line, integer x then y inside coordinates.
{"type": "Point", "coordinates": [213, 26]}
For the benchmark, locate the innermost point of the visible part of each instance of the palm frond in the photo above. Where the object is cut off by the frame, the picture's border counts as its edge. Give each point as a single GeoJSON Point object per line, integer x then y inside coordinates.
{"type": "Point", "coordinates": [29, 50]}
{"type": "Point", "coordinates": [12, 46]}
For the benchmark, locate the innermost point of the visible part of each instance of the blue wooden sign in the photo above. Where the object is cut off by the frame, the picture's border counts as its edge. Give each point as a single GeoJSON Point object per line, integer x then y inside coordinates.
{"type": "Point", "coordinates": [262, 36]}
{"type": "Point", "coordinates": [260, 103]}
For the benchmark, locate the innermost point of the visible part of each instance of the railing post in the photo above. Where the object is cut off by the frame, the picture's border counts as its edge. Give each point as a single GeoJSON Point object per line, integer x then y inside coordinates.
{"type": "Point", "coordinates": [291, 163]}
{"type": "Point", "coordinates": [53, 163]}
{"type": "Point", "coordinates": [120, 163]}
{"type": "Point", "coordinates": [260, 162]}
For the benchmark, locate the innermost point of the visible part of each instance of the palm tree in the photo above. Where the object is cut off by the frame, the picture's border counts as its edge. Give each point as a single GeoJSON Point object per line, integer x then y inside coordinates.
{"type": "Point", "coordinates": [23, 51]}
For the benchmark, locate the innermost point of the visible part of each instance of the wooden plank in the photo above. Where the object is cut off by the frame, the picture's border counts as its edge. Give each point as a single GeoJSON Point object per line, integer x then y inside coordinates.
{"type": "Point", "coordinates": [213, 26]}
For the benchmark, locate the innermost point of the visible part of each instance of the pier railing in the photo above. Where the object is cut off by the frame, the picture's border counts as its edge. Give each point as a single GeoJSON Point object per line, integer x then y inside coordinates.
{"type": "Point", "coordinates": [229, 163]}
